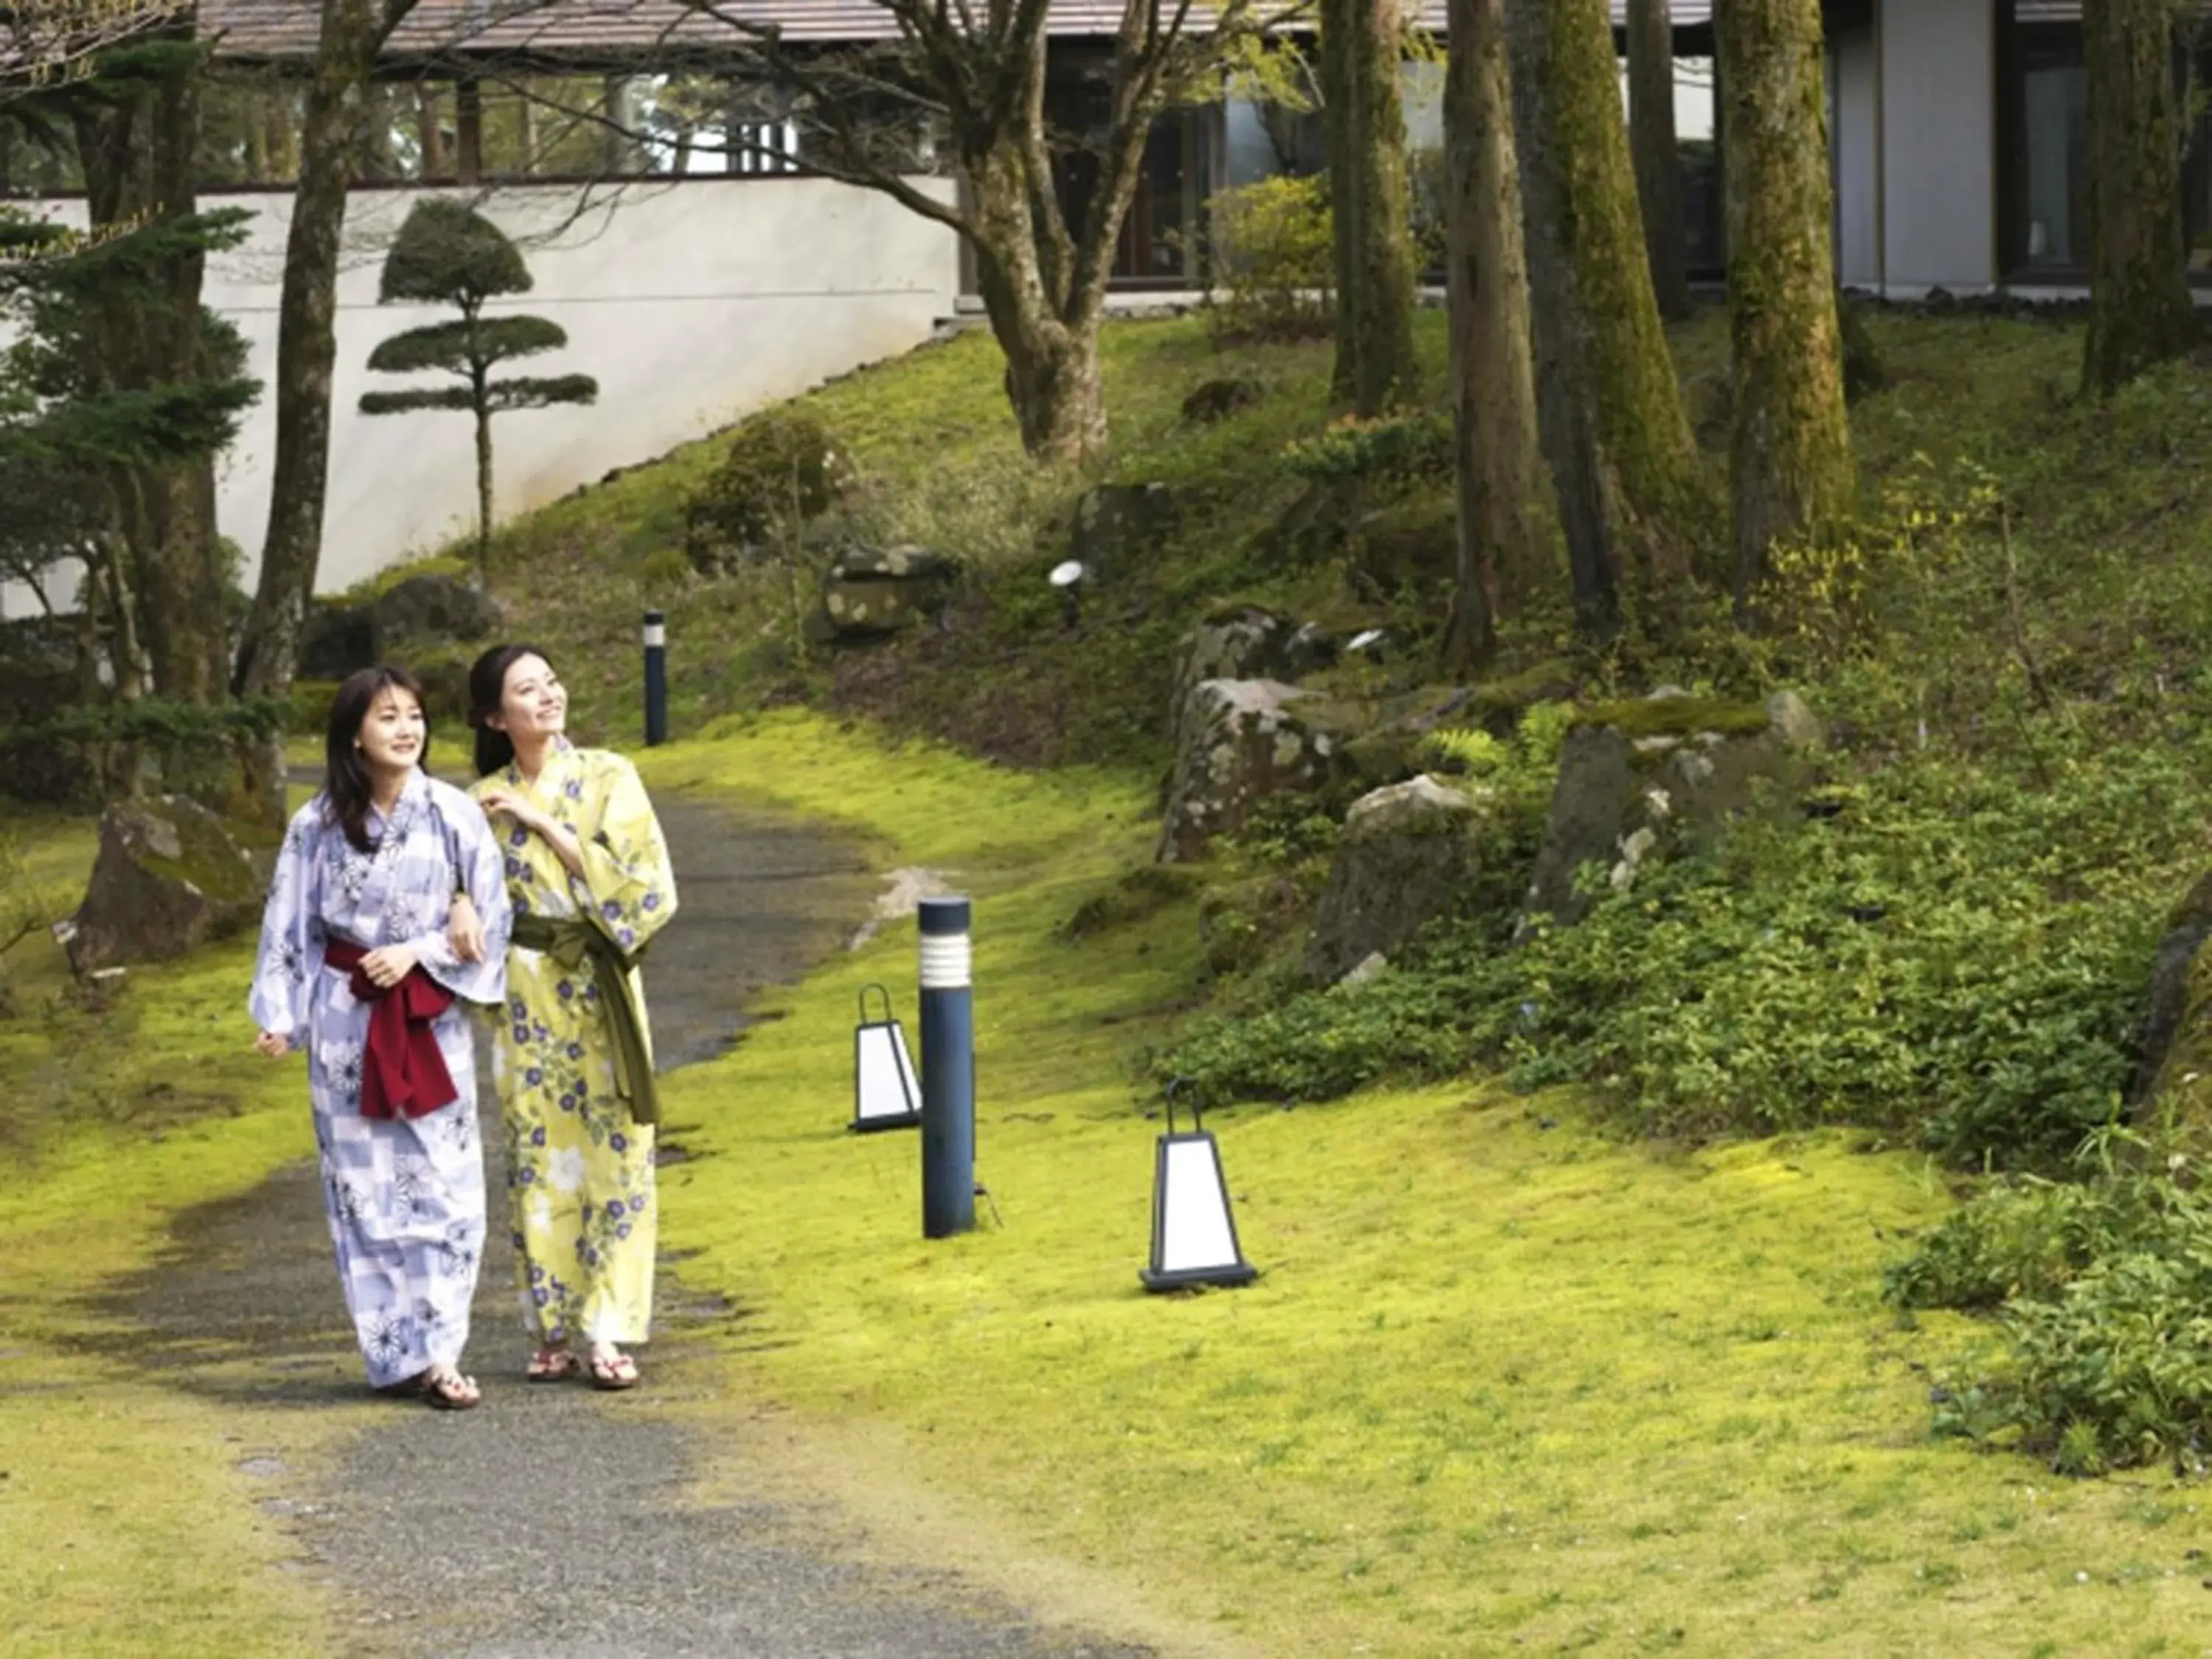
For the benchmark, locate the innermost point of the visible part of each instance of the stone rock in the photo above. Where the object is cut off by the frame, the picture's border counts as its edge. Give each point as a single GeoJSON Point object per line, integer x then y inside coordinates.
{"type": "Point", "coordinates": [170, 876]}
{"type": "Point", "coordinates": [1116, 523]}
{"type": "Point", "coordinates": [1638, 780]}
{"type": "Point", "coordinates": [1245, 643]}
{"type": "Point", "coordinates": [1408, 855]}
{"type": "Point", "coordinates": [433, 610]}
{"type": "Point", "coordinates": [870, 593]}
{"type": "Point", "coordinates": [2174, 1076]}
{"type": "Point", "coordinates": [1240, 742]}
{"type": "Point", "coordinates": [1369, 970]}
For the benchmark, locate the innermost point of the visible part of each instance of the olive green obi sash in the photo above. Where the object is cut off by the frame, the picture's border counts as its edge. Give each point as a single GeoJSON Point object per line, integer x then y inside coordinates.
{"type": "Point", "coordinates": [568, 942]}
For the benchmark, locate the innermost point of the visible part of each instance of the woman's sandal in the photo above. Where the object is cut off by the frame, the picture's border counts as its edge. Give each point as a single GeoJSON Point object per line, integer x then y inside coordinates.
{"type": "Point", "coordinates": [551, 1365]}
{"type": "Point", "coordinates": [443, 1389]}
{"type": "Point", "coordinates": [613, 1371]}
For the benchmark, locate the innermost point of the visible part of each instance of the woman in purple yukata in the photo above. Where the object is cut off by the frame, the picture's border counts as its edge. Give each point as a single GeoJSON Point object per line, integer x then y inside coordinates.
{"type": "Point", "coordinates": [357, 968]}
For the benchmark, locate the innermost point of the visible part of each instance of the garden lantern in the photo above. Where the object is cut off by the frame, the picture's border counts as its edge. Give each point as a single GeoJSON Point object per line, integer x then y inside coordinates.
{"type": "Point", "coordinates": [1193, 1234]}
{"type": "Point", "coordinates": [885, 1093]}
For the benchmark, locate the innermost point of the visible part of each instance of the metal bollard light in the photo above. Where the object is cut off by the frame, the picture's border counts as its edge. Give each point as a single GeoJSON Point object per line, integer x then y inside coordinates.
{"type": "Point", "coordinates": [656, 679]}
{"type": "Point", "coordinates": [948, 1071]}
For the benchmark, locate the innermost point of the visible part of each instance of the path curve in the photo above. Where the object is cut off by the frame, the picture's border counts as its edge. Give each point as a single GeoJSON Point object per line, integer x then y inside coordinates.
{"type": "Point", "coordinates": [552, 1520]}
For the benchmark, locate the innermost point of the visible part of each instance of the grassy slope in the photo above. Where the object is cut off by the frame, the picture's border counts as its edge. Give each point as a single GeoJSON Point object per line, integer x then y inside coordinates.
{"type": "Point", "coordinates": [124, 1525]}
{"type": "Point", "coordinates": [1501, 1380]}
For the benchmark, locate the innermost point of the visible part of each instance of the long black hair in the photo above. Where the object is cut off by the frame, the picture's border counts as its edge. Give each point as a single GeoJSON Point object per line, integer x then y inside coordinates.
{"type": "Point", "coordinates": [487, 692]}
{"type": "Point", "coordinates": [345, 770]}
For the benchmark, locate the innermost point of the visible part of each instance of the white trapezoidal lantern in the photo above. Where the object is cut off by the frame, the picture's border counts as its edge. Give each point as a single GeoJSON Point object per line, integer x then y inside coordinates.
{"type": "Point", "coordinates": [1193, 1234]}
{"type": "Point", "coordinates": [885, 1094]}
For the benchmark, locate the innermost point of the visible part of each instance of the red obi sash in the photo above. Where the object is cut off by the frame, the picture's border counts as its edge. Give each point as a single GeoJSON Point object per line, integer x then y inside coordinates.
{"type": "Point", "coordinates": [402, 1070]}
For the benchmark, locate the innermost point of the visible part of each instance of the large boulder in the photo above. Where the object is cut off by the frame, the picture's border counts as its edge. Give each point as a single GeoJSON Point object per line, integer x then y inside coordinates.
{"type": "Point", "coordinates": [1409, 853]}
{"type": "Point", "coordinates": [2174, 1077]}
{"type": "Point", "coordinates": [1241, 741]}
{"type": "Point", "coordinates": [1246, 643]}
{"type": "Point", "coordinates": [1639, 780]}
{"type": "Point", "coordinates": [870, 593]}
{"type": "Point", "coordinates": [170, 876]}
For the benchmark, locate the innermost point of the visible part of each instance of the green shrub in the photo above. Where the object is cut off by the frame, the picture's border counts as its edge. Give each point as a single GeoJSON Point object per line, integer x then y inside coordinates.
{"type": "Point", "coordinates": [1274, 263]}
{"type": "Point", "coordinates": [783, 468]}
{"type": "Point", "coordinates": [1409, 444]}
{"type": "Point", "coordinates": [1951, 960]}
{"type": "Point", "coordinates": [2104, 1288]}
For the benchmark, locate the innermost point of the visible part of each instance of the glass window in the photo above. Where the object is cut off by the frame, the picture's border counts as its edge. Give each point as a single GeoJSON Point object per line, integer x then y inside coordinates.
{"type": "Point", "coordinates": [2054, 174]}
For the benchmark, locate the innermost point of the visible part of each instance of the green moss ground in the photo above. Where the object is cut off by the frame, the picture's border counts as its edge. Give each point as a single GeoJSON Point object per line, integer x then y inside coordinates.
{"type": "Point", "coordinates": [125, 1526]}
{"type": "Point", "coordinates": [1502, 1383]}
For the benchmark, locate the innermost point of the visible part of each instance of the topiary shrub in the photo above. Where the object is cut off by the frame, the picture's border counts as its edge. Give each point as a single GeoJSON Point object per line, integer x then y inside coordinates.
{"type": "Point", "coordinates": [783, 468]}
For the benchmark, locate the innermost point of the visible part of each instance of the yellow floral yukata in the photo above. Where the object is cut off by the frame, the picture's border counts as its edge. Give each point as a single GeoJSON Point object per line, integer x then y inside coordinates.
{"type": "Point", "coordinates": [580, 1172]}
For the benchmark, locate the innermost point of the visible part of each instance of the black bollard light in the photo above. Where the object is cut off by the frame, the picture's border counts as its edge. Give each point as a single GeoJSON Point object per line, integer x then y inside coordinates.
{"type": "Point", "coordinates": [656, 679]}
{"type": "Point", "coordinates": [948, 1070]}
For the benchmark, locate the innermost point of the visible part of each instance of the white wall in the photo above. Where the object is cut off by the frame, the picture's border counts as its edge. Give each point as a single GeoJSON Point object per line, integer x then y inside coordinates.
{"type": "Point", "coordinates": [1938, 104]}
{"type": "Point", "coordinates": [692, 303]}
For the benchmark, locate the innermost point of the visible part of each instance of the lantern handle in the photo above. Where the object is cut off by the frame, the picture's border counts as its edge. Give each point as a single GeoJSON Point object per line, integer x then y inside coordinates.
{"type": "Point", "coordinates": [1175, 1085]}
{"type": "Point", "coordinates": [889, 1018]}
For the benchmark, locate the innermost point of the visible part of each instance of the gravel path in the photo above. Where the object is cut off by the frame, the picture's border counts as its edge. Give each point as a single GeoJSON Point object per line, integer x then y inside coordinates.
{"type": "Point", "coordinates": [551, 1521]}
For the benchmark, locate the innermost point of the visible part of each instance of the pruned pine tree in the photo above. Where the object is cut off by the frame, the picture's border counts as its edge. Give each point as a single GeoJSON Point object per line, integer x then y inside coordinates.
{"type": "Point", "coordinates": [447, 253]}
{"type": "Point", "coordinates": [121, 387]}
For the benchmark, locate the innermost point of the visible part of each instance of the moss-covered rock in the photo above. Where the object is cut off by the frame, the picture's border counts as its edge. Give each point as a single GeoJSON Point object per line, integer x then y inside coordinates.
{"type": "Point", "coordinates": [1638, 780]}
{"type": "Point", "coordinates": [2174, 1082]}
{"type": "Point", "coordinates": [1241, 742]}
{"type": "Point", "coordinates": [171, 876]}
{"type": "Point", "coordinates": [1409, 855]}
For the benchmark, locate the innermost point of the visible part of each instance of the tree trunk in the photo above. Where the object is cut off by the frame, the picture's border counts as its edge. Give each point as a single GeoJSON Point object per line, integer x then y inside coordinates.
{"type": "Point", "coordinates": [1498, 462]}
{"type": "Point", "coordinates": [1651, 140]}
{"type": "Point", "coordinates": [1369, 202]}
{"type": "Point", "coordinates": [1632, 498]}
{"type": "Point", "coordinates": [331, 143]}
{"type": "Point", "coordinates": [1047, 330]}
{"type": "Point", "coordinates": [137, 153]}
{"type": "Point", "coordinates": [2139, 311]}
{"type": "Point", "coordinates": [480, 399]}
{"type": "Point", "coordinates": [1790, 453]}
{"type": "Point", "coordinates": [431, 130]}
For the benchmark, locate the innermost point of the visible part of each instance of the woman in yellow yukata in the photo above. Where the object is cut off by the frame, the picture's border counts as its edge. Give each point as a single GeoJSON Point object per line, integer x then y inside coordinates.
{"type": "Point", "coordinates": [589, 879]}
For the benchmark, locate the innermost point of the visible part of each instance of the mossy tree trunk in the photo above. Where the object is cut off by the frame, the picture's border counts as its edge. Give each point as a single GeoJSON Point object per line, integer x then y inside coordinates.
{"type": "Point", "coordinates": [1498, 462]}
{"type": "Point", "coordinates": [1791, 450]}
{"type": "Point", "coordinates": [1369, 202]}
{"type": "Point", "coordinates": [1657, 152]}
{"type": "Point", "coordinates": [1632, 497]}
{"type": "Point", "coordinates": [2139, 311]}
